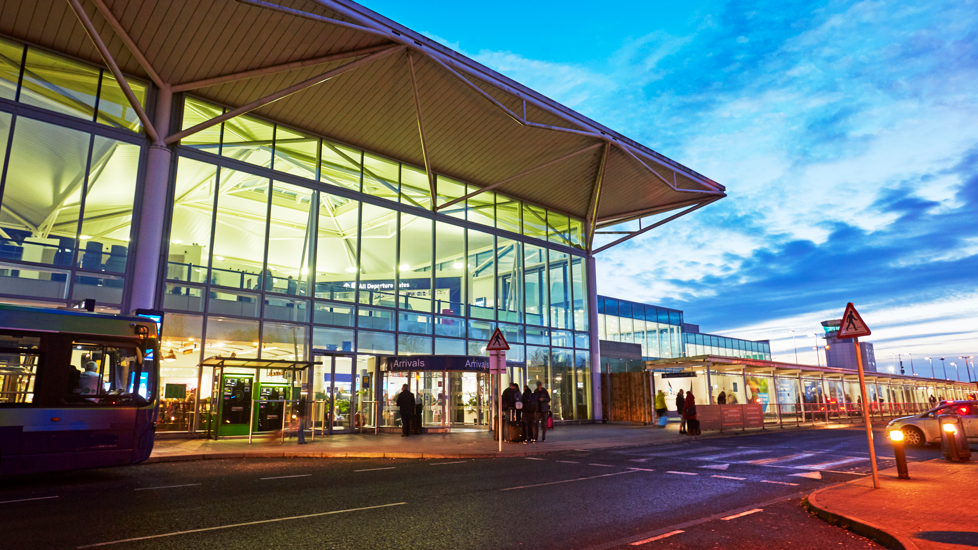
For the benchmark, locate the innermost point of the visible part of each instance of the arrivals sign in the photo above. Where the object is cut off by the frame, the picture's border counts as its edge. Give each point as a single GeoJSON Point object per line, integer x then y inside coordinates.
{"type": "Point", "coordinates": [464, 363]}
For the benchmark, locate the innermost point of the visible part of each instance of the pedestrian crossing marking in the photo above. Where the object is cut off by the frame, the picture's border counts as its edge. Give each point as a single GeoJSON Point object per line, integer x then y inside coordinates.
{"type": "Point", "coordinates": [730, 477]}
{"type": "Point", "coordinates": [682, 473]}
{"type": "Point", "coordinates": [715, 466]}
{"type": "Point", "coordinates": [772, 460]}
{"type": "Point", "coordinates": [778, 482]}
{"type": "Point", "coordinates": [660, 537]}
{"type": "Point", "coordinates": [810, 475]}
{"type": "Point", "coordinates": [827, 465]}
{"type": "Point", "coordinates": [724, 456]}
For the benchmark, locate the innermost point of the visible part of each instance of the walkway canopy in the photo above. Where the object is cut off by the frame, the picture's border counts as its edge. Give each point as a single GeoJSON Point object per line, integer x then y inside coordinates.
{"type": "Point", "coordinates": [334, 68]}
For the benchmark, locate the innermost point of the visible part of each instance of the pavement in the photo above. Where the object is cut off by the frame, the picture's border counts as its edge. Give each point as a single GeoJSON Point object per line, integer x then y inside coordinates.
{"type": "Point", "coordinates": [935, 509]}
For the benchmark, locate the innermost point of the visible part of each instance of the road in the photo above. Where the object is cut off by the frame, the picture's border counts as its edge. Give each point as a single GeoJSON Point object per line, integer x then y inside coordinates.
{"type": "Point", "coordinates": [734, 492]}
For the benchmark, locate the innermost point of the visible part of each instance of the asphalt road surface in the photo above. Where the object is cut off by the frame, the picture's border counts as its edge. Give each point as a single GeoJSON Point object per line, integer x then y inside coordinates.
{"type": "Point", "coordinates": [736, 492]}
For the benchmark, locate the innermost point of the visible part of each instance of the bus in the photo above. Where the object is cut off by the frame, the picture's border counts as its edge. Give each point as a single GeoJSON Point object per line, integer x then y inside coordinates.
{"type": "Point", "coordinates": [77, 389]}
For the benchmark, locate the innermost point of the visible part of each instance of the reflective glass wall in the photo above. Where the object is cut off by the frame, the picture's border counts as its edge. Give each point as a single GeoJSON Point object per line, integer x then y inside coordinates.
{"type": "Point", "coordinates": [711, 344]}
{"type": "Point", "coordinates": [658, 330]}
{"type": "Point", "coordinates": [71, 156]}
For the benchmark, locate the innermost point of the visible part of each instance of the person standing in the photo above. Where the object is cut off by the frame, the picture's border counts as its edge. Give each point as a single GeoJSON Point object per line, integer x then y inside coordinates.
{"type": "Point", "coordinates": [543, 404]}
{"type": "Point", "coordinates": [689, 413]}
{"type": "Point", "coordinates": [722, 398]}
{"type": "Point", "coordinates": [300, 415]}
{"type": "Point", "coordinates": [681, 409]}
{"type": "Point", "coordinates": [530, 410]}
{"type": "Point", "coordinates": [405, 403]}
{"type": "Point", "coordinates": [660, 406]}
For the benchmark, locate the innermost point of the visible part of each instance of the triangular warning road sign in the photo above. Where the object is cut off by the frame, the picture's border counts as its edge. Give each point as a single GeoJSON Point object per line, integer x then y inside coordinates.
{"type": "Point", "coordinates": [852, 324]}
{"type": "Point", "coordinates": [497, 342]}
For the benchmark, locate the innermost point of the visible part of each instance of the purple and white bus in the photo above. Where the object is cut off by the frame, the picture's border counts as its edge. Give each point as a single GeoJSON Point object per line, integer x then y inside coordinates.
{"type": "Point", "coordinates": [77, 389]}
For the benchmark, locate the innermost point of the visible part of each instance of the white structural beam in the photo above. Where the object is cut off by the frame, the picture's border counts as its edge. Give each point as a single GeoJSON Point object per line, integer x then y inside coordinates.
{"type": "Point", "coordinates": [634, 234]}
{"type": "Point", "coordinates": [143, 62]}
{"type": "Point", "coordinates": [281, 93]}
{"type": "Point", "coordinates": [116, 72]}
{"type": "Point", "coordinates": [424, 142]}
{"type": "Point", "coordinates": [591, 221]}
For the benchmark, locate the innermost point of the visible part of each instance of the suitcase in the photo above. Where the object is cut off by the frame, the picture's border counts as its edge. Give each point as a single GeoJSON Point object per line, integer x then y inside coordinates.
{"type": "Point", "coordinates": [514, 432]}
{"type": "Point", "coordinates": [663, 420]}
{"type": "Point", "coordinates": [693, 427]}
{"type": "Point", "coordinates": [550, 421]}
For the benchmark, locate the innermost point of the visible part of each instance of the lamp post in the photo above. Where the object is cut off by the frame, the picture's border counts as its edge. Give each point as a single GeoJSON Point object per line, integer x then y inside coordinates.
{"type": "Point", "coordinates": [912, 371]}
{"type": "Point", "coordinates": [943, 366]}
{"type": "Point", "coordinates": [795, 345]}
{"type": "Point", "coordinates": [966, 365]}
{"type": "Point", "coordinates": [957, 375]}
{"type": "Point", "coordinates": [818, 358]}
{"type": "Point", "coordinates": [932, 375]}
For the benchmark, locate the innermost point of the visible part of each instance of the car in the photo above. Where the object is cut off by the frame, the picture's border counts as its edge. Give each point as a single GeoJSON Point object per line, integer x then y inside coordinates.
{"type": "Point", "coordinates": [921, 429]}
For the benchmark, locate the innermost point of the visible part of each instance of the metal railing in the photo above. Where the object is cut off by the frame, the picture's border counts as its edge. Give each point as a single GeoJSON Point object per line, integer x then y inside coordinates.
{"type": "Point", "coordinates": [833, 412]}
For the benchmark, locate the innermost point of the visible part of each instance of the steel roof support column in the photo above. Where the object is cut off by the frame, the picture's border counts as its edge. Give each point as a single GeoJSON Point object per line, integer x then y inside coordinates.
{"type": "Point", "coordinates": [116, 72]}
{"type": "Point", "coordinates": [143, 62]}
{"type": "Point", "coordinates": [591, 222]}
{"type": "Point", "coordinates": [152, 212]}
{"type": "Point", "coordinates": [424, 141]}
{"type": "Point", "coordinates": [281, 93]}
{"type": "Point", "coordinates": [656, 224]}
{"type": "Point", "coordinates": [594, 339]}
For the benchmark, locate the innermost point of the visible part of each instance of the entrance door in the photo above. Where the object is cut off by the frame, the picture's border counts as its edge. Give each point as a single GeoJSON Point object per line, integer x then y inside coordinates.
{"type": "Point", "coordinates": [335, 394]}
{"type": "Point", "coordinates": [468, 398]}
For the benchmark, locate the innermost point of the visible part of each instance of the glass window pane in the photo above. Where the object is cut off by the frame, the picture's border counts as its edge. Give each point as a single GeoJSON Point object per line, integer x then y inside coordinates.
{"type": "Point", "coordinates": [283, 342]}
{"type": "Point", "coordinates": [560, 307]}
{"type": "Point", "coordinates": [534, 222]}
{"type": "Point", "coordinates": [108, 206]}
{"type": "Point", "coordinates": [231, 338]}
{"type": "Point", "coordinates": [415, 190]}
{"type": "Point", "coordinates": [582, 341]}
{"type": "Point", "coordinates": [380, 177]}
{"type": "Point", "coordinates": [414, 322]}
{"type": "Point", "coordinates": [180, 347]}
{"type": "Point", "coordinates": [449, 190]}
{"type": "Point", "coordinates": [11, 55]}
{"type": "Point", "coordinates": [378, 246]}
{"type": "Point", "coordinates": [414, 271]}
{"type": "Point", "coordinates": [579, 287]}
{"type": "Point", "coordinates": [334, 314]}
{"type": "Point", "coordinates": [562, 393]}
{"type": "Point", "coordinates": [190, 230]}
{"type": "Point", "coordinates": [513, 335]}
{"type": "Point", "coordinates": [538, 367]}
{"type": "Point", "coordinates": [232, 303]}
{"type": "Point", "coordinates": [408, 344]}
{"type": "Point", "coordinates": [196, 111]}
{"type": "Point", "coordinates": [481, 330]}
{"type": "Point", "coordinates": [449, 268]}
{"type": "Point", "coordinates": [562, 338]}
{"type": "Point", "coordinates": [113, 107]}
{"type": "Point", "coordinates": [336, 248]}
{"type": "Point", "coordinates": [290, 239]}
{"type": "Point", "coordinates": [380, 319]}
{"type": "Point", "coordinates": [185, 298]}
{"type": "Point", "coordinates": [558, 228]}
{"type": "Point", "coordinates": [295, 153]}
{"type": "Point", "coordinates": [239, 234]}
{"type": "Point", "coordinates": [375, 342]}
{"type": "Point", "coordinates": [447, 346]}
{"type": "Point", "coordinates": [481, 208]}
{"type": "Point", "coordinates": [40, 283]}
{"type": "Point", "coordinates": [58, 84]}
{"type": "Point", "coordinates": [450, 326]}
{"type": "Point", "coordinates": [582, 382]}
{"type": "Point", "coordinates": [577, 238]}
{"type": "Point", "coordinates": [42, 194]}
{"type": "Point", "coordinates": [340, 166]}
{"type": "Point", "coordinates": [536, 335]}
{"type": "Point", "coordinates": [508, 213]}
{"type": "Point", "coordinates": [285, 309]}
{"type": "Point", "coordinates": [535, 285]}
{"type": "Point", "coordinates": [332, 339]}
{"type": "Point", "coordinates": [481, 272]}
{"type": "Point", "coordinates": [248, 139]}
{"type": "Point", "coordinates": [509, 286]}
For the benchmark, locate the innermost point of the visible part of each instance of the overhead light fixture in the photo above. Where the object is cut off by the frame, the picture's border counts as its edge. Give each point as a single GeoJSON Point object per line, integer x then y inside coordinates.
{"type": "Point", "coordinates": [176, 241]}
{"type": "Point", "coordinates": [219, 258]}
{"type": "Point", "coordinates": [351, 269]}
{"type": "Point", "coordinates": [304, 271]}
{"type": "Point", "coordinates": [170, 357]}
{"type": "Point", "coordinates": [457, 265]}
{"type": "Point", "coordinates": [405, 267]}
{"type": "Point", "coordinates": [84, 237]}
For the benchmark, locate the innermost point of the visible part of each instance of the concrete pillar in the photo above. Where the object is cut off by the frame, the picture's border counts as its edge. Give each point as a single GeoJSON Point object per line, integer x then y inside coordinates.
{"type": "Point", "coordinates": [153, 208]}
{"type": "Point", "coordinates": [594, 339]}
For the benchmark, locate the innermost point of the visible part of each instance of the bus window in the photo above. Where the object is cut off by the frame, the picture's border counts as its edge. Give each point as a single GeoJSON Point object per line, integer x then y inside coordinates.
{"type": "Point", "coordinates": [19, 358]}
{"type": "Point", "coordinates": [103, 374]}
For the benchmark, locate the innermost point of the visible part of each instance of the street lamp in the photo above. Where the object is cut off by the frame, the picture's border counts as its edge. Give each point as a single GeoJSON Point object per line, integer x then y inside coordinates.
{"type": "Point", "coordinates": [957, 375]}
{"type": "Point", "coordinates": [943, 366]}
{"type": "Point", "coordinates": [795, 345]}
{"type": "Point", "coordinates": [912, 371]}
{"type": "Point", "coordinates": [966, 365]}
{"type": "Point", "coordinates": [818, 358]}
{"type": "Point", "coordinates": [932, 375]}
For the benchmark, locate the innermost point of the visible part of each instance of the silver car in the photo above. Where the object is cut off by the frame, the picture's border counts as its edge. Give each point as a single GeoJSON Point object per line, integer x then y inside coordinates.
{"type": "Point", "coordinates": [920, 429]}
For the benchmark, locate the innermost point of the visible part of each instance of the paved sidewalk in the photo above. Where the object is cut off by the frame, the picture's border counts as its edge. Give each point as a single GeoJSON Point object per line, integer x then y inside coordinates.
{"type": "Point", "coordinates": [461, 444]}
{"type": "Point", "coordinates": [935, 509]}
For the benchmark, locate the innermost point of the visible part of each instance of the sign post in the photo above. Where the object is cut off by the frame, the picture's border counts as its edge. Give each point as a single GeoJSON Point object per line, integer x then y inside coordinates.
{"type": "Point", "coordinates": [853, 327]}
{"type": "Point", "coordinates": [497, 348]}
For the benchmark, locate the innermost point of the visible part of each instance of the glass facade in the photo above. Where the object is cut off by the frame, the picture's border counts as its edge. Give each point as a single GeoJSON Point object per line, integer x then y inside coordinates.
{"type": "Point", "coordinates": [711, 344]}
{"type": "Point", "coordinates": [658, 330]}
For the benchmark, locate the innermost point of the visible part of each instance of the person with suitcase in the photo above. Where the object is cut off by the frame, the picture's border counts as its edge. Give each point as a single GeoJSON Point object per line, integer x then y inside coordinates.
{"type": "Point", "coordinates": [509, 406]}
{"type": "Point", "coordinates": [692, 424]}
{"type": "Point", "coordinates": [661, 411]}
{"type": "Point", "coordinates": [530, 410]}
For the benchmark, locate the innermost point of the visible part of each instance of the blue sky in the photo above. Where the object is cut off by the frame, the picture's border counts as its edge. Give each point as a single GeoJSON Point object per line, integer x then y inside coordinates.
{"type": "Point", "coordinates": [846, 134]}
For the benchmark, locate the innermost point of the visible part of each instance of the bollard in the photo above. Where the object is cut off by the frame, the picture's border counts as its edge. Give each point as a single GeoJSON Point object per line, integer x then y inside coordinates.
{"type": "Point", "coordinates": [896, 436]}
{"type": "Point", "coordinates": [954, 446]}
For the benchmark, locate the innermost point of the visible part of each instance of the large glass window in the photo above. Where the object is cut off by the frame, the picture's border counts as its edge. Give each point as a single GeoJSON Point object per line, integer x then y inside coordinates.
{"type": "Point", "coordinates": [481, 272]}
{"type": "Point", "coordinates": [11, 54]}
{"type": "Point", "coordinates": [449, 264]}
{"type": "Point", "coordinates": [114, 108]}
{"type": "Point", "coordinates": [340, 166]}
{"type": "Point", "coordinates": [290, 239]}
{"type": "Point", "coordinates": [508, 214]}
{"type": "Point", "coordinates": [560, 298]}
{"type": "Point", "coordinates": [336, 248]}
{"type": "Point", "coordinates": [534, 222]}
{"type": "Point", "coordinates": [415, 190]}
{"type": "Point", "coordinates": [108, 206]}
{"type": "Point", "coordinates": [579, 288]}
{"type": "Point", "coordinates": [481, 207]}
{"type": "Point", "coordinates": [233, 338]}
{"type": "Point", "coordinates": [414, 265]}
{"type": "Point", "coordinates": [381, 178]}
{"type": "Point", "coordinates": [509, 286]}
{"type": "Point", "coordinates": [248, 139]}
{"type": "Point", "coordinates": [239, 232]}
{"type": "Point", "coordinates": [190, 227]}
{"type": "Point", "coordinates": [196, 112]}
{"type": "Point", "coordinates": [536, 288]}
{"type": "Point", "coordinates": [295, 153]}
{"type": "Point", "coordinates": [57, 84]}
{"type": "Point", "coordinates": [180, 351]}
{"type": "Point", "coordinates": [449, 190]}
{"type": "Point", "coordinates": [378, 255]}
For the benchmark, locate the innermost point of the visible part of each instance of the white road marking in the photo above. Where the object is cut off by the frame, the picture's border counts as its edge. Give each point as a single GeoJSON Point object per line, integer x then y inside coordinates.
{"type": "Point", "coordinates": [568, 462]}
{"type": "Point", "coordinates": [810, 475]}
{"type": "Point", "coordinates": [26, 500]}
{"type": "Point", "coordinates": [443, 463]}
{"type": "Point", "coordinates": [778, 482]}
{"type": "Point", "coordinates": [320, 514]}
{"type": "Point", "coordinates": [827, 465]}
{"type": "Point", "coordinates": [284, 477]}
{"type": "Point", "coordinates": [374, 469]}
{"type": "Point", "coordinates": [603, 465]}
{"type": "Point", "coordinates": [682, 473]}
{"type": "Point", "coordinates": [730, 477]}
{"type": "Point", "coordinates": [642, 469]}
{"type": "Point", "coordinates": [742, 514]}
{"type": "Point", "coordinates": [166, 487]}
{"type": "Point", "coordinates": [660, 537]}
{"type": "Point", "coordinates": [715, 467]}
{"type": "Point", "coordinates": [725, 456]}
{"type": "Point", "coordinates": [568, 480]}
{"type": "Point", "coordinates": [533, 458]}
{"type": "Point", "coordinates": [772, 460]}
{"type": "Point", "coordinates": [684, 451]}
